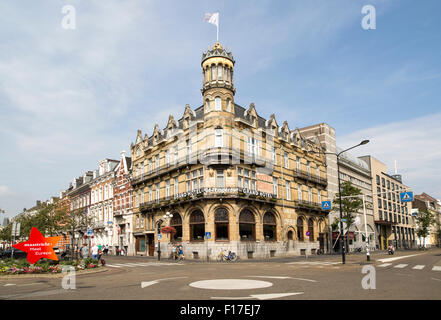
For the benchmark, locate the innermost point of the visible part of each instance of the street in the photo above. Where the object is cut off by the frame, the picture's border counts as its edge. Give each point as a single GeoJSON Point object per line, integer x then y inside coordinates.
{"type": "Point", "coordinates": [414, 275]}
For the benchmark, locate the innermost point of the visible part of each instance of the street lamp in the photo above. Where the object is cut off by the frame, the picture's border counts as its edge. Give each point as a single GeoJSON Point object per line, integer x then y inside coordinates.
{"type": "Point", "coordinates": [166, 216]}
{"type": "Point", "coordinates": [342, 242]}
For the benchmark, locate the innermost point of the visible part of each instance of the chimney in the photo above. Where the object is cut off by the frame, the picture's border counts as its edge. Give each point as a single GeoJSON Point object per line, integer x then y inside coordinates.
{"type": "Point", "coordinates": [38, 203]}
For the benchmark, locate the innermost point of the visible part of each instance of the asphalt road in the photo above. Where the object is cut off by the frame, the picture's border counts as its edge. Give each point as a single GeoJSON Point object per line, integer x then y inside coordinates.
{"type": "Point", "coordinates": [411, 275]}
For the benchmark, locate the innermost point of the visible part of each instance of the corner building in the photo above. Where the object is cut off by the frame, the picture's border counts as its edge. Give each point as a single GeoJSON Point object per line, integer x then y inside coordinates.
{"type": "Point", "coordinates": [230, 178]}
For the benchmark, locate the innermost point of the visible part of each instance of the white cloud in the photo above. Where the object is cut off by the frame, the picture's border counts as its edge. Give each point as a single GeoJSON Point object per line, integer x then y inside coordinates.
{"type": "Point", "coordinates": [415, 144]}
{"type": "Point", "coordinates": [5, 191]}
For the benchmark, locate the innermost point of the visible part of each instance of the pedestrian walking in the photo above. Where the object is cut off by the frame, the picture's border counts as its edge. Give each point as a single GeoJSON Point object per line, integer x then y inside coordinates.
{"type": "Point", "coordinates": [84, 251]}
{"type": "Point", "coordinates": [106, 249]}
{"type": "Point", "coordinates": [95, 251]}
{"type": "Point", "coordinates": [174, 253]}
{"type": "Point", "coordinates": [181, 253]}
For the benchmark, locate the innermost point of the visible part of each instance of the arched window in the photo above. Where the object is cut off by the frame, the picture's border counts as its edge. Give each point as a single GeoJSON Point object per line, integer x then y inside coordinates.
{"type": "Point", "coordinates": [247, 225]}
{"type": "Point", "coordinates": [229, 105]}
{"type": "Point", "coordinates": [207, 105]}
{"type": "Point", "coordinates": [197, 226]}
{"type": "Point", "coordinates": [300, 229]}
{"type": "Point", "coordinates": [217, 104]}
{"type": "Point", "coordinates": [176, 222]}
{"type": "Point", "coordinates": [213, 73]}
{"type": "Point", "coordinates": [221, 224]}
{"type": "Point", "coordinates": [269, 227]}
{"type": "Point", "coordinates": [219, 71]}
{"type": "Point", "coordinates": [311, 229]}
{"type": "Point", "coordinates": [290, 235]}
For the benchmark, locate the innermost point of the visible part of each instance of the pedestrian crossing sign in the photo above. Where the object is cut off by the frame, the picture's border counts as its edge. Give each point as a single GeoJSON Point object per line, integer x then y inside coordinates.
{"type": "Point", "coordinates": [326, 205]}
{"type": "Point", "coordinates": [406, 196]}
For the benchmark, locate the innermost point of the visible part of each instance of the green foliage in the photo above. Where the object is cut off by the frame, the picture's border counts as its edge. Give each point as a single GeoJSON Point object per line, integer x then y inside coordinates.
{"type": "Point", "coordinates": [349, 206]}
{"type": "Point", "coordinates": [424, 220]}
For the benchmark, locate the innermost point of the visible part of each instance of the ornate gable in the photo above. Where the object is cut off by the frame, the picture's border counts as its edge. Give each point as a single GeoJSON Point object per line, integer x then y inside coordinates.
{"type": "Point", "coordinates": [251, 115]}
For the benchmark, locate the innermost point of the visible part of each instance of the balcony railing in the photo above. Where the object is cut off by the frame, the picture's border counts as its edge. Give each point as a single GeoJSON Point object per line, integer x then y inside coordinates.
{"type": "Point", "coordinates": [210, 156]}
{"type": "Point", "coordinates": [309, 205]}
{"type": "Point", "coordinates": [209, 193]}
{"type": "Point", "coordinates": [308, 176]}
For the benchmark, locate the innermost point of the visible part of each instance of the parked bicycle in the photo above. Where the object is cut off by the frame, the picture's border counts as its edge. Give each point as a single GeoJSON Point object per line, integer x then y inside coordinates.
{"type": "Point", "coordinates": [231, 256]}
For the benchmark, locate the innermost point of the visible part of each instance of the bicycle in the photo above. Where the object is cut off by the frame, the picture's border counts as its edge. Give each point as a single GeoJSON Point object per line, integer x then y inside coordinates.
{"type": "Point", "coordinates": [223, 257]}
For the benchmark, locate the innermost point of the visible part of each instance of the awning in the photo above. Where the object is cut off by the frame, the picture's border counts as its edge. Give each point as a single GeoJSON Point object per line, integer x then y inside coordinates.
{"type": "Point", "coordinates": [350, 235]}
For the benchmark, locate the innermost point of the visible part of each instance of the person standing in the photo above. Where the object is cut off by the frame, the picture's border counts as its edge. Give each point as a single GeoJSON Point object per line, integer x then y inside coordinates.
{"type": "Point", "coordinates": [95, 251]}
{"type": "Point", "coordinates": [106, 249]}
{"type": "Point", "coordinates": [84, 252]}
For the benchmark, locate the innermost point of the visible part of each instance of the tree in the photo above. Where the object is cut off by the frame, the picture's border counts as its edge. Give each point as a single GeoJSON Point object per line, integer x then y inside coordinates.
{"type": "Point", "coordinates": [424, 220]}
{"type": "Point", "coordinates": [350, 204]}
{"type": "Point", "coordinates": [76, 220]}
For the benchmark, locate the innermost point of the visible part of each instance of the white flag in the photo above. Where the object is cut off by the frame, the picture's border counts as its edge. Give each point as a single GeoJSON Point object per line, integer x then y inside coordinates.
{"type": "Point", "coordinates": [212, 18]}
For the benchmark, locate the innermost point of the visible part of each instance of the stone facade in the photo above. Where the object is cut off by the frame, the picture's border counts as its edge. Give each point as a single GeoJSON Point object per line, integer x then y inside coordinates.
{"type": "Point", "coordinates": [230, 178]}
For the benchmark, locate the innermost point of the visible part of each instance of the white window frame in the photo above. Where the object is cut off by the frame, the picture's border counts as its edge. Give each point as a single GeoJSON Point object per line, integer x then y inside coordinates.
{"type": "Point", "coordinates": [217, 104]}
{"type": "Point", "coordinates": [218, 138]}
{"type": "Point", "coordinates": [288, 190]}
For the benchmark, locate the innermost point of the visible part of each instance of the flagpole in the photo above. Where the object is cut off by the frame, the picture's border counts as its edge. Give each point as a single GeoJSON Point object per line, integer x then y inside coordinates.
{"type": "Point", "coordinates": [217, 33]}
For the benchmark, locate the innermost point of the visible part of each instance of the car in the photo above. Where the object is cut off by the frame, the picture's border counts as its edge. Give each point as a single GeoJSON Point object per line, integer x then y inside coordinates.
{"type": "Point", "coordinates": [18, 254]}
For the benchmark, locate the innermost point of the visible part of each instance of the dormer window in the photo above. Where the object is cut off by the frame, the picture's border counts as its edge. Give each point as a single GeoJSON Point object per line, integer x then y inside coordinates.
{"type": "Point", "coordinates": [217, 104]}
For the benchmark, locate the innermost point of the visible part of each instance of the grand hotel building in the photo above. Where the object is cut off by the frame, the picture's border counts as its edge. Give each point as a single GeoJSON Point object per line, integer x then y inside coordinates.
{"type": "Point", "coordinates": [230, 179]}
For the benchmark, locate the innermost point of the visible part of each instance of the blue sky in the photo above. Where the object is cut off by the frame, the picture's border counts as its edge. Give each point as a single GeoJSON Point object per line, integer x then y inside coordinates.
{"type": "Point", "coordinates": [69, 98]}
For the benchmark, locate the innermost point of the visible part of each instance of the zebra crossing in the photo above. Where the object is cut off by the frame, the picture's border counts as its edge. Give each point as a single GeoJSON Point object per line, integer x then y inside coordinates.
{"type": "Point", "coordinates": [404, 265]}
{"type": "Point", "coordinates": [141, 264]}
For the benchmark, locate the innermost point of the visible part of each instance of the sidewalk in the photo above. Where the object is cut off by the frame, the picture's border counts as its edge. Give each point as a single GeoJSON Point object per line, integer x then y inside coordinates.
{"type": "Point", "coordinates": [351, 258]}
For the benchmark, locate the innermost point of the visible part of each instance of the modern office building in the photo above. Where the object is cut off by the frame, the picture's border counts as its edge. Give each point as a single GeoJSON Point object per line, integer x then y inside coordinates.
{"type": "Point", "coordinates": [393, 218]}
{"type": "Point", "coordinates": [354, 170]}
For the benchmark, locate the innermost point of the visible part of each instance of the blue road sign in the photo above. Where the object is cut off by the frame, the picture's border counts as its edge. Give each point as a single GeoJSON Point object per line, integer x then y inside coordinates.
{"type": "Point", "coordinates": [89, 232]}
{"type": "Point", "coordinates": [308, 233]}
{"type": "Point", "coordinates": [159, 236]}
{"type": "Point", "coordinates": [207, 235]}
{"type": "Point", "coordinates": [326, 205]}
{"type": "Point", "coordinates": [406, 196]}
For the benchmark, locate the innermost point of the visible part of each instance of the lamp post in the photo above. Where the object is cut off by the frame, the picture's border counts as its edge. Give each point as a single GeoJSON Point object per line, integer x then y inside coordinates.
{"type": "Point", "coordinates": [342, 242]}
{"type": "Point", "coordinates": [166, 216]}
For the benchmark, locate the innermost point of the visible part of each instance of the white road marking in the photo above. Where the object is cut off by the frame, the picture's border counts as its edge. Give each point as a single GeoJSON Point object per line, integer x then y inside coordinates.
{"type": "Point", "coordinates": [419, 267]}
{"type": "Point", "coordinates": [261, 296]}
{"type": "Point", "coordinates": [278, 277]}
{"type": "Point", "coordinates": [401, 266]}
{"type": "Point", "coordinates": [9, 284]}
{"type": "Point", "coordinates": [436, 268]}
{"type": "Point", "coordinates": [145, 284]}
{"type": "Point", "coordinates": [113, 266]}
{"type": "Point", "coordinates": [397, 258]}
{"type": "Point", "coordinates": [435, 279]}
{"type": "Point", "coordinates": [385, 265]}
{"type": "Point", "coordinates": [230, 284]}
